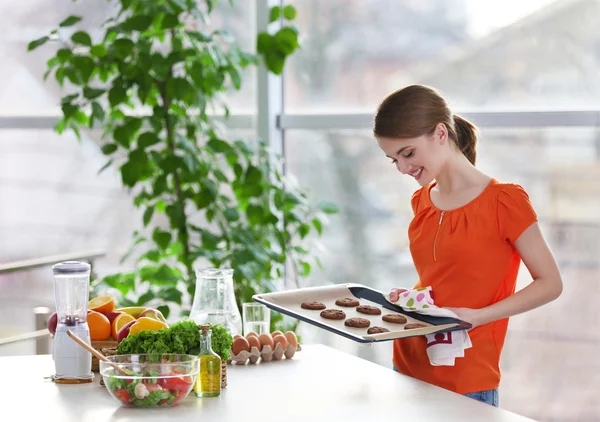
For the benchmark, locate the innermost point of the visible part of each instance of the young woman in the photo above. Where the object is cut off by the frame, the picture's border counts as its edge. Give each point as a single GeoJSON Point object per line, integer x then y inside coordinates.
{"type": "Point", "coordinates": [467, 239]}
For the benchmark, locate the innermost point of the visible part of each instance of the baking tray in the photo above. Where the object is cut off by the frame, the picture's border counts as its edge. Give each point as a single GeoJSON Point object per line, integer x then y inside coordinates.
{"type": "Point", "coordinates": [288, 302]}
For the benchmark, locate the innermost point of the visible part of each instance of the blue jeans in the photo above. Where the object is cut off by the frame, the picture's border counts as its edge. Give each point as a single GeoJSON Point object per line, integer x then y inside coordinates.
{"type": "Point", "coordinates": [485, 396]}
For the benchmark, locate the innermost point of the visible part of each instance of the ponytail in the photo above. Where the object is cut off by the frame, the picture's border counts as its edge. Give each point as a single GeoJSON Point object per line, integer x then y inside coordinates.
{"type": "Point", "coordinates": [466, 138]}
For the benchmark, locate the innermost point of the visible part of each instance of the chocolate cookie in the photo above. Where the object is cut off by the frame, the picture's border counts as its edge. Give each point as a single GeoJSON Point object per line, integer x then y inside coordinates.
{"type": "Point", "coordinates": [314, 306]}
{"type": "Point", "coordinates": [377, 330]}
{"type": "Point", "coordinates": [333, 314]}
{"type": "Point", "coordinates": [394, 318]}
{"type": "Point", "coordinates": [369, 310]}
{"type": "Point", "coordinates": [357, 322]}
{"type": "Point", "coordinates": [348, 302]}
{"type": "Point", "coordinates": [414, 325]}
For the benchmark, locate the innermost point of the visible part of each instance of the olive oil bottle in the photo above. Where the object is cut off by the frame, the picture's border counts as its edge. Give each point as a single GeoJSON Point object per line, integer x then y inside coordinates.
{"type": "Point", "coordinates": [208, 382]}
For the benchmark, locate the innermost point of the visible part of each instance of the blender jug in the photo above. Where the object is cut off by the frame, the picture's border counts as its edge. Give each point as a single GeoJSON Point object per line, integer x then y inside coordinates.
{"type": "Point", "coordinates": [214, 300]}
{"type": "Point", "coordinates": [73, 364]}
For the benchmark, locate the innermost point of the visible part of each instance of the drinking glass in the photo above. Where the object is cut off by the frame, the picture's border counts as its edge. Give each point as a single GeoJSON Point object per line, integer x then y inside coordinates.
{"type": "Point", "coordinates": [256, 317]}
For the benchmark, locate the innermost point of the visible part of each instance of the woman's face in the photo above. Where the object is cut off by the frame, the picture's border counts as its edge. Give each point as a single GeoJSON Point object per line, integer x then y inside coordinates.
{"type": "Point", "coordinates": [422, 157]}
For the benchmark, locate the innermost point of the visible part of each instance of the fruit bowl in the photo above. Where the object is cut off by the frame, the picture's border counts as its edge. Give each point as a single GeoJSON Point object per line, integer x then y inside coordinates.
{"type": "Point", "coordinates": [156, 380]}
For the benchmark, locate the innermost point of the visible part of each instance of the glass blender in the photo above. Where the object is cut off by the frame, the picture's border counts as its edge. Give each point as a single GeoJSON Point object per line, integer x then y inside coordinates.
{"type": "Point", "coordinates": [73, 364]}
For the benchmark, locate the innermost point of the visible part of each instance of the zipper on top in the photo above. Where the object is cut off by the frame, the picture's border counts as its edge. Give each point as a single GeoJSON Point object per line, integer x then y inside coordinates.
{"type": "Point", "coordinates": [436, 235]}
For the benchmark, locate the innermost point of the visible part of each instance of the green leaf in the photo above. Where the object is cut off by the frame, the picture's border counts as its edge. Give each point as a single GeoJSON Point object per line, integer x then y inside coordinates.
{"type": "Point", "coordinates": [161, 238]}
{"type": "Point", "coordinates": [82, 38]}
{"type": "Point", "coordinates": [254, 214]}
{"type": "Point", "coordinates": [105, 166]}
{"type": "Point", "coordinates": [303, 230]}
{"type": "Point", "coordinates": [147, 139]}
{"type": "Point", "coordinates": [161, 206]}
{"type": "Point", "coordinates": [138, 168]}
{"type": "Point", "coordinates": [97, 112]}
{"type": "Point", "coordinates": [171, 295]}
{"type": "Point", "coordinates": [305, 269]}
{"type": "Point", "coordinates": [219, 146]}
{"type": "Point", "coordinates": [63, 55]}
{"type": "Point", "coordinates": [148, 215]}
{"type": "Point", "coordinates": [36, 43]}
{"type": "Point", "coordinates": [109, 149]}
{"type": "Point", "coordinates": [91, 93]}
{"type": "Point", "coordinates": [164, 309]}
{"type": "Point", "coordinates": [231, 214]}
{"type": "Point", "coordinates": [84, 66]}
{"type": "Point", "coordinates": [169, 21]}
{"type": "Point", "coordinates": [318, 226]}
{"type": "Point", "coordinates": [177, 216]}
{"type": "Point", "coordinates": [70, 21]}
{"type": "Point", "coordinates": [145, 298]}
{"type": "Point", "coordinates": [286, 40]}
{"type": "Point", "coordinates": [209, 240]}
{"type": "Point", "coordinates": [69, 110]}
{"type": "Point", "coordinates": [116, 95]}
{"type": "Point", "coordinates": [328, 207]}
{"type": "Point", "coordinates": [160, 185]}
{"type": "Point", "coordinates": [289, 12]}
{"type": "Point", "coordinates": [99, 50]}
{"type": "Point", "coordinates": [275, 62]}
{"type": "Point", "coordinates": [274, 14]}
{"type": "Point", "coordinates": [236, 78]}
{"type": "Point", "coordinates": [264, 42]}
{"type": "Point", "coordinates": [137, 23]}
{"type": "Point", "coordinates": [123, 47]}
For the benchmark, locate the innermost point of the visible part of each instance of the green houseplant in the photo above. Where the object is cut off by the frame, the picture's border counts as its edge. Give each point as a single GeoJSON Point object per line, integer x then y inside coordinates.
{"type": "Point", "coordinates": [153, 83]}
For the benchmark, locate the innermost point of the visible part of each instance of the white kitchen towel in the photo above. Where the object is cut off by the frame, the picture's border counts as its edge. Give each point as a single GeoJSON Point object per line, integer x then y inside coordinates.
{"type": "Point", "coordinates": [442, 348]}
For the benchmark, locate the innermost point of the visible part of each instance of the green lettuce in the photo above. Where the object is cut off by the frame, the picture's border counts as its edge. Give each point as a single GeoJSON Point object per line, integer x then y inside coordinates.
{"type": "Point", "coordinates": [182, 337]}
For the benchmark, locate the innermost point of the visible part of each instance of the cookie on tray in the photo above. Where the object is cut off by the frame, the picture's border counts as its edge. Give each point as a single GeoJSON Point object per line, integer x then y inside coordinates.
{"type": "Point", "coordinates": [369, 310]}
{"type": "Point", "coordinates": [394, 318]}
{"type": "Point", "coordinates": [313, 306]}
{"type": "Point", "coordinates": [333, 314]}
{"type": "Point", "coordinates": [377, 330]}
{"type": "Point", "coordinates": [414, 325]}
{"type": "Point", "coordinates": [357, 322]}
{"type": "Point", "coordinates": [348, 302]}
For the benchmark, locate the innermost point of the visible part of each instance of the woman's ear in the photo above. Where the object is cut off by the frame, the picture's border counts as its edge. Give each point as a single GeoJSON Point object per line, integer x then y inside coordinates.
{"type": "Point", "coordinates": [441, 133]}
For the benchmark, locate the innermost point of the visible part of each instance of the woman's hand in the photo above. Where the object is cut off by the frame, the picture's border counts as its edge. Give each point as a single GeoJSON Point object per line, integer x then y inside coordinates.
{"type": "Point", "coordinates": [472, 316]}
{"type": "Point", "coordinates": [395, 294]}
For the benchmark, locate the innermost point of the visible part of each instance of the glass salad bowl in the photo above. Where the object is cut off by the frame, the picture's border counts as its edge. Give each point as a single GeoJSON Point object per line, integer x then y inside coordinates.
{"type": "Point", "coordinates": [150, 380]}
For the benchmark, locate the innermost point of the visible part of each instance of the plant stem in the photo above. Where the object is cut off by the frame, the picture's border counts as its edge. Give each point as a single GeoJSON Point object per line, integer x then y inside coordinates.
{"type": "Point", "coordinates": [183, 233]}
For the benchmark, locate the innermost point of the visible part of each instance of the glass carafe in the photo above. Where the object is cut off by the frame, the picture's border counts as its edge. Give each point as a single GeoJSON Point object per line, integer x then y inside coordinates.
{"type": "Point", "coordinates": [214, 300]}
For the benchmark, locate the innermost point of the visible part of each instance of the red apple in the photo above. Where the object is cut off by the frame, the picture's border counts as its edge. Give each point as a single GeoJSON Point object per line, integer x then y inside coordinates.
{"type": "Point", "coordinates": [154, 314]}
{"type": "Point", "coordinates": [124, 332]}
{"type": "Point", "coordinates": [52, 323]}
{"type": "Point", "coordinates": [112, 315]}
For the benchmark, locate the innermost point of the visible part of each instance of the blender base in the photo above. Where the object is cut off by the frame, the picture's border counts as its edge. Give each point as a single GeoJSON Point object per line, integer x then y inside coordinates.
{"type": "Point", "coordinates": [72, 381]}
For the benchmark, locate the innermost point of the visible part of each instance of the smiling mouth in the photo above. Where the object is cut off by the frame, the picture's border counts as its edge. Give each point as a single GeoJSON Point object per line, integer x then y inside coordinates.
{"type": "Point", "coordinates": [417, 173]}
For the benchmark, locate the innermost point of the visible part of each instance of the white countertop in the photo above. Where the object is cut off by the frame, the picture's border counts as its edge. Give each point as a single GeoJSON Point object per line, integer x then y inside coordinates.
{"type": "Point", "coordinates": [319, 383]}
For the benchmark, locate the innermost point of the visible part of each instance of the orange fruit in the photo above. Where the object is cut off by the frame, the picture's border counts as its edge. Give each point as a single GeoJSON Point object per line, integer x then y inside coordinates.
{"type": "Point", "coordinates": [145, 323]}
{"type": "Point", "coordinates": [119, 322]}
{"type": "Point", "coordinates": [99, 326]}
{"type": "Point", "coordinates": [102, 304]}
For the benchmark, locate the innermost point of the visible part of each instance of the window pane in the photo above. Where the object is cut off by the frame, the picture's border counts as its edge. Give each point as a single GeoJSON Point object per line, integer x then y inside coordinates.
{"type": "Point", "coordinates": [367, 244]}
{"type": "Point", "coordinates": [24, 92]}
{"type": "Point", "coordinates": [525, 54]}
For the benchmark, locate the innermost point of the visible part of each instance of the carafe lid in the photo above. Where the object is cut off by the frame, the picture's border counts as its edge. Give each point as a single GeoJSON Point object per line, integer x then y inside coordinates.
{"type": "Point", "coordinates": [71, 267]}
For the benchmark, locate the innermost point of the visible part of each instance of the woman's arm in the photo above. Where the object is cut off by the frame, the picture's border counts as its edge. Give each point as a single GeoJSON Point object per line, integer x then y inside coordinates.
{"type": "Point", "coordinates": [545, 287]}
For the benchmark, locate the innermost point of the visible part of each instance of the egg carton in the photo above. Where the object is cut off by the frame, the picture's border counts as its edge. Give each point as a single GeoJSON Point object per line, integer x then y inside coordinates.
{"type": "Point", "coordinates": [266, 354]}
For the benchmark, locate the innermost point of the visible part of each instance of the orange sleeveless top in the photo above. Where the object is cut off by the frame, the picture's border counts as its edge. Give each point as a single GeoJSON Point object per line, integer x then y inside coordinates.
{"type": "Point", "coordinates": [467, 256]}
